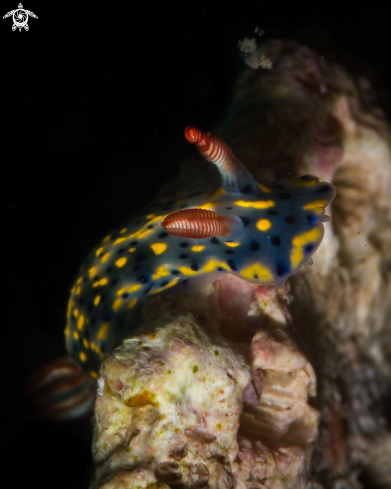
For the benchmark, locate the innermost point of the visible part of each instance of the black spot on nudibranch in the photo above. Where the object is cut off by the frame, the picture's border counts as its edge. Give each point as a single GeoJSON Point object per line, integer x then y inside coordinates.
{"type": "Point", "coordinates": [183, 256]}
{"type": "Point", "coordinates": [135, 268]}
{"type": "Point", "coordinates": [280, 270]}
{"type": "Point", "coordinates": [214, 241]}
{"type": "Point", "coordinates": [323, 189]}
{"type": "Point", "coordinates": [284, 196]}
{"type": "Point", "coordinates": [120, 251]}
{"type": "Point", "coordinates": [164, 283]}
{"type": "Point", "coordinates": [108, 316]}
{"type": "Point", "coordinates": [272, 213]}
{"type": "Point", "coordinates": [220, 269]}
{"type": "Point", "coordinates": [304, 177]}
{"type": "Point", "coordinates": [148, 289]}
{"type": "Point", "coordinates": [133, 243]}
{"type": "Point", "coordinates": [175, 272]}
{"type": "Point", "coordinates": [184, 245]}
{"type": "Point", "coordinates": [114, 282]}
{"type": "Point", "coordinates": [125, 295]}
{"type": "Point", "coordinates": [311, 218]}
{"type": "Point", "coordinates": [194, 267]}
{"type": "Point", "coordinates": [163, 235]}
{"type": "Point", "coordinates": [232, 265]}
{"type": "Point", "coordinates": [143, 279]}
{"type": "Point", "coordinates": [150, 226]}
{"type": "Point", "coordinates": [141, 257]}
{"type": "Point", "coordinates": [103, 298]}
{"type": "Point", "coordinates": [108, 270]}
{"type": "Point", "coordinates": [276, 241]}
{"type": "Point", "coordinates": [245, 221]}
{"type": "Point", "coordinates": [246, 189]}
{"type": "Point", "coordinates": [254, 245]}
{"type": "Point", "coordinates": [228, 208]}
{"type": "Point", "coordinates": [290, 220]}
{"type": "Point", "coordinates": [228, 252]}
{"type": "Point", "coordinates": [309, 248]}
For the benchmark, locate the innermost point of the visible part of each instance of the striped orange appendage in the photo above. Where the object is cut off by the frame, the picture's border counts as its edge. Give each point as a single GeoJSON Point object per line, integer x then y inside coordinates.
{"type": "Point", "coordinates": [211, 148]}
{"type": "Point", "coordinates": [197, 224]}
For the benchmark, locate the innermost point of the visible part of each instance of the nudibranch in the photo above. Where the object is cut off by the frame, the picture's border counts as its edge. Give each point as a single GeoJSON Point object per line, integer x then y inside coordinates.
{"type": "Point", "coordinates": [262, 233]}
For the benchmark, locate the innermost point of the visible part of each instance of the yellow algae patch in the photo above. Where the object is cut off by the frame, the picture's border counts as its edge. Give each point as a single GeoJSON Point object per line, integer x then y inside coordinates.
{"type": "Point", "coordinates": [160, 272]}
{"type": "Point", "coordinates": [263, 273]}
{"type": "Point", "coordinates": [145, 397]}
{"type": "Point", "coordinates": [85, 343]}
{"type": "Point", "coordinates": [259, 204]}
{"type": "Point", "coordinates": [102, 333]}
{"type": "Point", "coordinates": [92, 271]}
{"type": "Point", "coordinates": [80, 321]}
{"type": "Point", "coordinates": [264, 224]}
{"type": "Point", "coordinates": [99, 251]}
{"type": "Point", "coordinates": [150, 216]}
{"type": "Point", "coordinates": [117, 304]}
{"type": "Point", "coordinates": [298, 242]}
{"type": "Point", "coordinates": [264, 188]}
{"type": "Point", "coordinates": [187, 270]}
{"type": "Point", "coordinates": [94, 374]}
{"type": "Point", "coordinates": [218, 192]}
{"type": "Point", "coordinates": [82, 356]}
{"type": "Point", "coordinates": [121, 262]}
{"type": "Point", "coordinates": [213, 264]}
{"type": "Point", "coordinates": [105, 257]}
{"type": "Point", "coordinates": [123, 230]}
{"type": "Point", "coordinates": [231, 245]}
{"type": "Point", "coordinates": [197, 248]}
{"type": "Point", "coordinates": [97, 300]}
{"type": "Point", "coordinates": [159, 248]}
{"type": "Point", "coordinates": [132, 249]}
{"type": "Point", "coordinates": [134, 288]}
{"type": "Point", "coordinates": [316, 204]}
{"type": "Point", "coordinates": [76, 335]}
{"type": "Point", "coordinates": [75, 312]}
{"type": "Point", "coordinates": [102, 281]}
{"type": "Point", "coordinates": [132, 303]}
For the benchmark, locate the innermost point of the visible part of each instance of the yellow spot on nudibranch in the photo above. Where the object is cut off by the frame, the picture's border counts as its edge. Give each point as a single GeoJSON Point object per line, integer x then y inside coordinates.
{"type": "Point", "coordinates": [120, 291]}
{"type": "Point", "coordinates": [97, 300]}
{"type": "Point", "coordinates": [78, 290]}
{"type": "Point", "coordinates": [208, 205]}
{"type": "Point", "coordinates": [231, 245]}
{"type": "Point", "coordinates": [316, 205]}
{"type": "Point", "coordinates": [79, 280]}
{"type": "Point", "coordinates": [76, 335]}
{"type": "Point", "coordinates": [213, 264]}
{"type": "Point", "coordinates": [159, 248]}
{"type": "Point", "coordinates": [150, 216]}
{"type": "Point", "coordinates": [102, 281]}
{"type": "Point", "coordinates": [123, 230]}
{"type": "Point", "coordinates": [264, 188]}
{"type": "Point", "coordinates": [260, 204]}
{"type": "Point", "coordinates": [263, 273]}
{"type": "Point", "coordinates": [92, 271]}
{"type": "Point", "coordinates": [102, 333]}
{"type": "Point", "coordinates": [264, 224]}
{"type": "Point", "coordinates": [106, 238]}
{"type": "Point", "coordinates": [132, 303]}
{"type": "Point", "coordinates": [160, 272]}
{"type": "Point", "coordinates": [99, 251]}
{"type": "Point", "coordinates": [75, 312]}
{"type": "Point", "coordinates": [85, 343]}
{"type": "Point", "coordinates": [119, 240]}
{"type": "Point", "coordinates": [121, 262]}
{"type": "Point", "coordinates": [298, 242]}
{"type": "Point", "coordinates": [218, 193]}
{"type": "Point", "coordinates": [94, 374]}
{"type": "Point", "coordinates": [80, 321]}
{"type": "Point", "coordinates": [134, 288]}
{"type": "Point", "coordinates": [105, 257]}
{"type": "Point", "coordinates": [187, 271]}
{"type": "Point", "coordinates": [117, 304]}
{"type": "Point", "coordinates": [82, 356]}
{"type": "Point", "coordinates": [94, 347]}
{"type": "Point", "coordinates": [132, 249]}
{"type": "Point", "coordinates": [197, 248]}
{"type": "Point", "coordinates": [171, 284]}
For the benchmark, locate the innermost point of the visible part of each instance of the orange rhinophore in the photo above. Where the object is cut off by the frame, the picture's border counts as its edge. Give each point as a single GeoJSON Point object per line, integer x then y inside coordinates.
{"type": "Point", "coordinates": [211, 148]}
{"type": "Point", "coordinates": [198, 224]}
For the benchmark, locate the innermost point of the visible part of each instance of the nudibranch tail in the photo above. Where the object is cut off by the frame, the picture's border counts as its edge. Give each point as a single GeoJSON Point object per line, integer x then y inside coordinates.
{"type": "Point", "coordinates": [201, 223]}
{"type": "Point", "coordinates": [234, 176]}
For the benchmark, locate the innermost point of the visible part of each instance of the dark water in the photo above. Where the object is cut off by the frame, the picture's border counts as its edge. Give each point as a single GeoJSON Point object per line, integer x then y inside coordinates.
{"type": "Point", "coordinates": [95, 103]}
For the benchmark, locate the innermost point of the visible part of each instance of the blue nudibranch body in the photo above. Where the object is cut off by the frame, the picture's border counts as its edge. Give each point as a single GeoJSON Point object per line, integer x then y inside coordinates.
{"type": "Point", "coordinates": [260, 233]}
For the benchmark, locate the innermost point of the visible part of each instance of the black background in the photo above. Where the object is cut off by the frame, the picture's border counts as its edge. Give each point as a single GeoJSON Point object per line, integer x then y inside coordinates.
{"type": "Point", "coordinates": [94, 102]}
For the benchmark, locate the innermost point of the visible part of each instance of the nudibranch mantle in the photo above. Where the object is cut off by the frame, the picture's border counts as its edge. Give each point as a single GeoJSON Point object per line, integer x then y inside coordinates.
{"type": "Point", "coordinates": [260, 233]}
